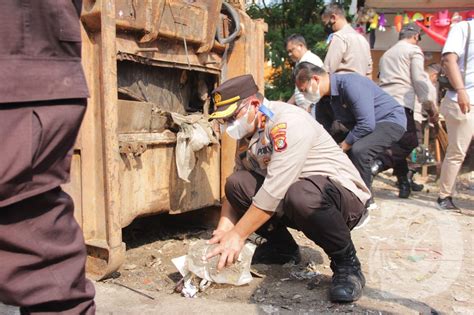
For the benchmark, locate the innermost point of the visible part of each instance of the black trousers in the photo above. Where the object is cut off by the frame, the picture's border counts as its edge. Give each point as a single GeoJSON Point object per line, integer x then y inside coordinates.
{"type": "Point", "coordinates": [396, 156]}
{"type": "Point", "coordinates": [323, 209]}
{"type": "Point", "coordinates": [364, 151]}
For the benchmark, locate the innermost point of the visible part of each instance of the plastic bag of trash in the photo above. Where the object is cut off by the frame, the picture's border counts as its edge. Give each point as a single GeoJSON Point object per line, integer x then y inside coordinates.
{"type": "Point", "coordinates": [237, 274]}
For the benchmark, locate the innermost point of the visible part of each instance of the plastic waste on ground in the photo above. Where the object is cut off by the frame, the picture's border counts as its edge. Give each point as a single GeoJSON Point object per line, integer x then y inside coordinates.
{"type": "Point", "coordinates": [194, 262]}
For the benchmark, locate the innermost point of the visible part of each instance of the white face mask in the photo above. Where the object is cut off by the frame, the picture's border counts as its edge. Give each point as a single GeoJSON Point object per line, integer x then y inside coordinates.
{"type": "Point", "coordinates": [239, 128]}
{"type": "Point", "coordinates": [312, 96]}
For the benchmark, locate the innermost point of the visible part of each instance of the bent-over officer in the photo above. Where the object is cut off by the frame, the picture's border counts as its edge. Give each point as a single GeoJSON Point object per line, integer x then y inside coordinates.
{"type": "Point", "coordinates": [373, 120]}
{"type": "Point", "coordinates": [291, 173]}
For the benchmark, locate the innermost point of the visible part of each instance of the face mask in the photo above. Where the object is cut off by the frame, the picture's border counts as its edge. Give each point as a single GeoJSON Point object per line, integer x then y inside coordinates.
{"type": "Point", "coordinates": [328, 28]}
{"type": "Point", "coordinates": [239, 128]}
{"type": "Point", "coordinates": [312, 96]}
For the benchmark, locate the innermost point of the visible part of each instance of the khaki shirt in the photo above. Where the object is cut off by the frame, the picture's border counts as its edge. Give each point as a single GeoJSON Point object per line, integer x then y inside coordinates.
{"type": "Point", "coordinates": [291, 146]}
{"type": "Point", "coordinates": [402, 74]}
{"type": "Point", "coordinates": [420, 113]}
{"type": "Point", "coordinates": [349, 51]}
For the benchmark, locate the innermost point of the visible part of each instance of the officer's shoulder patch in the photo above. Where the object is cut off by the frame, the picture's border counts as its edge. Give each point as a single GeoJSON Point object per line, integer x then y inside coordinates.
{"type": "Point", "coordinates": [278, 127]}
{"type": "Point", "coordinates": [278, 135]}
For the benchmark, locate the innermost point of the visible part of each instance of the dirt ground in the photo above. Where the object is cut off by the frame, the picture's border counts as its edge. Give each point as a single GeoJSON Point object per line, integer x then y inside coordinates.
{"type": "Point", "coordinates": [416, 259]}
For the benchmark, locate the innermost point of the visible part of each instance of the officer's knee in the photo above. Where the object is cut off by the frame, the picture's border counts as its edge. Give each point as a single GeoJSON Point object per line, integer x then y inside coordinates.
{"type": "Point", "coordinates": [241, 183]}
{"type": "Point", "coordinates": [358, 154]}
{"type": "Point", "coordinates": [232, 184]}
{"type": "Point", "coordinates": [357, 150]}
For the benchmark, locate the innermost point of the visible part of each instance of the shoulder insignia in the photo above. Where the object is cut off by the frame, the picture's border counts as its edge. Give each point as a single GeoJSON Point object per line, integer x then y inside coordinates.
{"type": "Point", "coordinates": [278, 135]}
{"type": "Point", "coordinates": [277, 128]}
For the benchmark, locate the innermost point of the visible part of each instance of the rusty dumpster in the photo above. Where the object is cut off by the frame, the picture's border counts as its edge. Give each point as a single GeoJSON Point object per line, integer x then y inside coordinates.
{"type": "Point", "coordinates": [144, 59]}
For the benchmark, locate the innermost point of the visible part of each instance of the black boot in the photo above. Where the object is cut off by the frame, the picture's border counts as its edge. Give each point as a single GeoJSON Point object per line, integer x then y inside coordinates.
{"type": "Point", "coordinates": [414, 186]}
{"type": "Point", "coordinates": [347, 280]}
{"type": "Point", "coordinates": [404, 187]}
{"type": "Point", "coordinates": [279, 249]}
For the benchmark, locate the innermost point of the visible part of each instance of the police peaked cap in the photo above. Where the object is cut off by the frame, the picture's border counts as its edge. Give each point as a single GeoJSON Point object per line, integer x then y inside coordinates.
{"type": "Point", "coordinates": [229, 95]}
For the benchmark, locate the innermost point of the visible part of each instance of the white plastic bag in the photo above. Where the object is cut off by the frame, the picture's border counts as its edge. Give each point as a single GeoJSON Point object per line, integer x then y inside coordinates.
{"type": "Point", "coordinates": [237, 274]}
{"type": "Point", "coordinates": [195, 133]}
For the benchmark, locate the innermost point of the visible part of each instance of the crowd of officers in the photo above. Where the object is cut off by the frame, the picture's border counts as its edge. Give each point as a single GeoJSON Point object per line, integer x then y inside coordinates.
{"type": "Point", "coordinates": [292, 170]}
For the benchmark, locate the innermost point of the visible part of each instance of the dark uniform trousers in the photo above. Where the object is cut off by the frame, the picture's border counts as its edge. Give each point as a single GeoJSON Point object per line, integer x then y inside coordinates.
{"type": "Point", "coordinates": [364, 150]}
{"type": "Point", "coordinates": [396, 156]}
{"type": "Point", "coordinates": [323, 209]}
{"type": "Point", "coordinates": [42, 250]}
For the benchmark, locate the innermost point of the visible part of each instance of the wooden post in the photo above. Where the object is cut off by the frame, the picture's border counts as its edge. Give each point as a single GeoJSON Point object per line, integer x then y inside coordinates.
{"type": "Point", "coordinates": [426, 142]}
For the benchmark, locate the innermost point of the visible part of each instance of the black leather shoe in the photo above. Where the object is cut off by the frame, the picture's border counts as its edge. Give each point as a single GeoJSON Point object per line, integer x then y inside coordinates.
{"type": "Point", "coordinates": [348, 279]}
{"type": "Point", "coordinates": [447, 204]}
{"type": "Point", "coordinates": [270, 253]}
{"type": "Point", "coordinates": [414, 186]}
{"type": "Point", "coordinates": [376, 167]}
{"type": "Point", "coordinates": [404, 187]}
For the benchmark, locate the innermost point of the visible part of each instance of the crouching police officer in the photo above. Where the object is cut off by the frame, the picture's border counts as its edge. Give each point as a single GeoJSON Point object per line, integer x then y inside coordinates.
{"type": "Point", "coordinates": [291, 173]}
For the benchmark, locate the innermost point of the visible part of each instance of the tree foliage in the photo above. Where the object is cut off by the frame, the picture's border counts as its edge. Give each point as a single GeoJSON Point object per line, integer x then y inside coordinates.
{"type": "Point", "coordinates": [284, 18]}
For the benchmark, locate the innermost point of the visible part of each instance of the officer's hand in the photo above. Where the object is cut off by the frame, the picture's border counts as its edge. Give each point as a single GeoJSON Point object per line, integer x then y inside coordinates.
{"type": "Point", "coordinates": [345, 146]}
{"type": "Point", "coordinates": [464, 101]}
{"type": "Point", "coordinates": [217, 234]}
{"type": "Point", "coordinates": [230, 245]}
{"type": "Point", "coordinates": [434, 118]}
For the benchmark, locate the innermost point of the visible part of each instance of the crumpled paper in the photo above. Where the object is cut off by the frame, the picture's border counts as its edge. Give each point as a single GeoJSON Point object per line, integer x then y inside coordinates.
{"type": "Point", "coordinates": [195, 132]}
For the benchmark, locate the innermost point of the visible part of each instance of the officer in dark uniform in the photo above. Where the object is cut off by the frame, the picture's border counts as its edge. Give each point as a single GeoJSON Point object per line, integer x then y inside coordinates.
{"type": "Point", "coordinates": [291, 173]}
{"type": "Point", "coordinates": [373, 120]}
{"type": "Point", "coordinates": [42, 102]}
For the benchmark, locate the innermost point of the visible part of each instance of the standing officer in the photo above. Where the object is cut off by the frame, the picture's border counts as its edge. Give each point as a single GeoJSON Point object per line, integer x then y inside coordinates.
{"type": "Point", "coordinates": [42, 102]}
{"type": "Point", "coordinates": [348, 50]}
{"type": "Point", "coordinates": [403, 76]}
{"type": "Point", "coordinates": [374, 120]}
{"type": "Point", "coordinates": [286, 177]}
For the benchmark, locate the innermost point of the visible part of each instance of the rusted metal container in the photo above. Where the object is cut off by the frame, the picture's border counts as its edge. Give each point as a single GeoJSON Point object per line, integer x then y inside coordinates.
{"type": "Point", "coordinates": [143, 60]}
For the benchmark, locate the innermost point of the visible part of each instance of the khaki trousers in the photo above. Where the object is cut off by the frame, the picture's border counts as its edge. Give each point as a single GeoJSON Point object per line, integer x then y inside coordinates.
{"type": "Point", "coordinates": [460, 129]}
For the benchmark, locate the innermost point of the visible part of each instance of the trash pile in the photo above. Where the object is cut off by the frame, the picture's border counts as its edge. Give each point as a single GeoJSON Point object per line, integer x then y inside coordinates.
{"type": "Point", "coordinates": [199, 273]}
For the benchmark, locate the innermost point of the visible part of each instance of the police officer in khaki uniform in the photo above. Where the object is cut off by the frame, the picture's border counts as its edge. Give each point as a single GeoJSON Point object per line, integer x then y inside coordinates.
{"type": "Point", "coordinates": [402, 75]}
{"type": "Point", "coordinates": [287, 177]}
{"type": "Point", "coordinates": [348, 50]}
